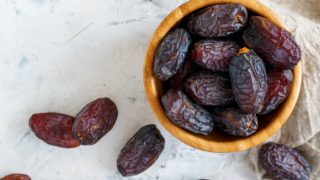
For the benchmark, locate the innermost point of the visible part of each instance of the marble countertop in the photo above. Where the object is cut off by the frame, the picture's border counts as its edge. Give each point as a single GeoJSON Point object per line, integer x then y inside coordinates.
{"type": "Point", "coordinates": [59, 55]}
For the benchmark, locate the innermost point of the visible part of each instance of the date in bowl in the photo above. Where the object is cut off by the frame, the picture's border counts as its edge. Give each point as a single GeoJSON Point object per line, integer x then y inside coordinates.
{"type": "Point", "coordinates": [215, 141]}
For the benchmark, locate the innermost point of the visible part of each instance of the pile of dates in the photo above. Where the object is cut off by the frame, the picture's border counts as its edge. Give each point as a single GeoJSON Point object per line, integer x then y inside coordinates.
{"type": "Point", "coordinates": [93, 122]}
{"type": "Point", "coordinates": [223, 68]}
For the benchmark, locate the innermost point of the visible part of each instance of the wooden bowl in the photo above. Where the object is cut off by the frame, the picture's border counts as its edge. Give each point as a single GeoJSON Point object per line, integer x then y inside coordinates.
{"type": "Point", "coordinates": [216, 141]}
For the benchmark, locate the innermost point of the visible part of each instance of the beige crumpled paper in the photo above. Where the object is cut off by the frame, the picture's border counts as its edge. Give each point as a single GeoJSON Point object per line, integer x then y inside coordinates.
{"type": "Point", "coordinates": [302, 129]}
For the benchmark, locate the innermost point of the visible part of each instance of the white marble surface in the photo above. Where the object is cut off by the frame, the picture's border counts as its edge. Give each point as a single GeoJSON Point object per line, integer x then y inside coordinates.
{"type": "Point", "coordinates": [58, 55]}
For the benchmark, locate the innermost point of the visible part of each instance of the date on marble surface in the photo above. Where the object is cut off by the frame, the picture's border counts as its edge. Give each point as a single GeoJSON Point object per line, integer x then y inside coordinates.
{"type": "Point", "coordinates": [141, 151]}
{"type": "Point", "coordinates": [54, 129]}
{"type": "Point", "coordinates": [16, 177]}
{"type": "Point", "coordinates": [95, 120]}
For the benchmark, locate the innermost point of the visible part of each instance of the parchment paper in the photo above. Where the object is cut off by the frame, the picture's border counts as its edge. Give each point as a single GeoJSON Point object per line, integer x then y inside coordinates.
{"type": "Point", "coordinates": [302, 130]}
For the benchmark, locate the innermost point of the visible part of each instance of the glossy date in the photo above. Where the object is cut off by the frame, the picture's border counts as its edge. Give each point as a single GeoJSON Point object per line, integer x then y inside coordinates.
{"type": "Point", "coordinates": [54, 129]}
{"type": "Point", "coordinates": [171, 53]}
{"type": "Point", "coordinates": [188, 68]}
{"type": "Point", "coordinates": [249, 80]}
{"type": "Point", "coordinates": [235, 122]}
{"type": "Point", "coordinates": [279, 85]}
{"type": "Point", "coordinates": [218, 20]}
{"type": "Point", "coordinates": [95, 120]}
{"type": "Point", "coordinates": [282, 162]}
{"type": "Point", "coordinates": [214, 55]}
{"type": "Point", "coordinates": [141, 151]}
{"type": "Point", "coordinates": [210, 89]}
{"type": "Point", "coordinates": [16, 177]}
{"type": "Point", "coordinates": [186, 114]}
{"type": "Point", "coordinates": [274, 44]}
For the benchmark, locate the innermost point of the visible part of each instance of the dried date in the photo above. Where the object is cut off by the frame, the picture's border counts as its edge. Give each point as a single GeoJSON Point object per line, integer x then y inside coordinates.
{"type": "Point", "coordinates": [214, 55]}
{"type": "Point", "coordinates": [235, 122]}
{"type": "Point", "coordinates": [186, 114]}
{"type": "Point", "coordinates": [16, 177]}
{"type": "Point", "coordinates": [207, 88]}
{"type": "Point", "coordinates": [218, 20]}
{"type": "Point", "coordinates": [54, 129]}
{"type": "Point", "coordinates": [279, 85]}
{"type": "Point", "coordinates": [188, 68]}
{"type": "Point", "coordinates": [171, 53]}
{"type": "Point", "coordinates": [141, 151]}
{"type": "Point", "coordinates": [95, 120]}
{"type": "Point", "coordinates": [249, 80]}
{"type": "Point", "coordinates": [273, 43]}
{"type": "Point", "coordinates": [282, 162]}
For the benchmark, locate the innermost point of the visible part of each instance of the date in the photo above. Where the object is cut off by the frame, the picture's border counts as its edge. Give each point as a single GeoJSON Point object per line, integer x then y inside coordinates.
{"type": "Point", "coordinates": [282, 162]}
{"type": "Point", "coordinates": [274, 44]}
{"type": "Point", "coordinates": [279, 85]}
{"type": "Point", "coordinates": [141, 151]}
{"type": "Point", "coordinates": [214, 55]}
{"type": "Point", "coordinates": [186, 114]}
{"type": "Point", "coordinates": [209, 89]}
{"type": "Point", "coordinates": [95, 120]}
{"type": "Point", "coordinates": [16, 177]}
{"type": "Point", "coordinates": [54, 129]}
{"type": "Point", "coordinates": [171, 53]}
{"type": "Point", "coordinates": [188, 68]}
{"type": "Point", "coordinates": [235, 122]}
{"type": "Point", "coordinates": [249, 80]}
{"type": "Point", "coordinates": [218, 20]}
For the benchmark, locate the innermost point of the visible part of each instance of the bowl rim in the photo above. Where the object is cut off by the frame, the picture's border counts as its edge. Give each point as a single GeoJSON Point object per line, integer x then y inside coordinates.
{"type": "Point", "coordinates": [198, 141]}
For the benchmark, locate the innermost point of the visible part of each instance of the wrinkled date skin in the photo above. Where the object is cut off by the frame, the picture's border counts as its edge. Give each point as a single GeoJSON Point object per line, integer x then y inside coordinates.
{"type": "Point", "coordinates": [218, 20]}
{"type": "Point", "coordinates": [188, 68]}
{"type": "Point", "coordinates": [279, 85]}
{"type": "Point", "coordinates": [186, 114]}
{"type": "Point", "coordinates": [210, 89]}
{"type": "Point", "coordinates": [273, 43]}
{"type": "Point", "coordinates": [16, 177]}
{"type": "Point", "coordinates": [249, 81]}
{"type": "Point", "coordinates": [214, 55]}
{"type": "Point", "coordinates": [234, 122]}
{"type": "Point", "coordinates": [282, 162]}
{"type": "Point", "coordinates": [54, 129]}
{"type": "Point", "coordinates": [141, 151]}
{"type": "Point", "coordinates": [95, 120]}
{"type": "Point", "coordinates": [171, 54]}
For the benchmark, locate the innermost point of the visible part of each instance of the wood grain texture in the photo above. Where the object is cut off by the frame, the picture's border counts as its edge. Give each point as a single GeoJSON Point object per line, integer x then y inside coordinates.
{"type": "Point", "coordinates": [215, 142]}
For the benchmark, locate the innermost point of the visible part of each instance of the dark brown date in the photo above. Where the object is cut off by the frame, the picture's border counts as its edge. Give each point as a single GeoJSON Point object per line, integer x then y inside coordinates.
{"type": "Point", "coordinates": [282, 162]}
{"type": "Point", "coordinates": [273, 43]}
{"type": "Point", "coordinates": [54, 129]}
{"type": "Point", "coordinates": [214, 55]}
{"type": "Point", "coordinates": [279, 85]}
{"type": "Point", "coordinates": [235, 122]}
{"type": "Point", "coordinates": [141, 151]}
{"type": "Point", "coordinates": [171, 54]}
{"type": "Point", "coordinates": [186, 114]}
{"type": "Point", "coordinates": [249, 80]}
{"type": "Point", "coordinates": [210, 89]}
{"type": "Point", "coordinates": [183, 73]}
{"type": "Point", "coordinates": [218, 20]}
{"type": "Point", "coordinates": [16, 177]}
{"type": "Point", "coordinates": [95, 120]}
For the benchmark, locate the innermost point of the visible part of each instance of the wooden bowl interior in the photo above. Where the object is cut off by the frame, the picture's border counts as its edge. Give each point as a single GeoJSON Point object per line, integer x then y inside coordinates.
{"type": "Point", "coordinates": [216, 141]}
